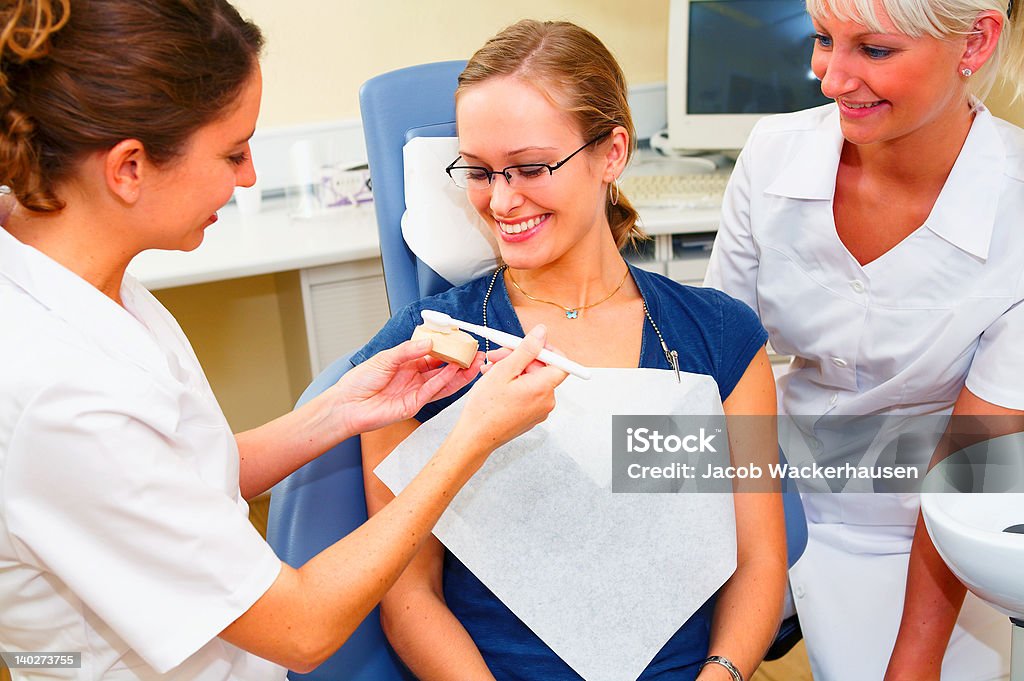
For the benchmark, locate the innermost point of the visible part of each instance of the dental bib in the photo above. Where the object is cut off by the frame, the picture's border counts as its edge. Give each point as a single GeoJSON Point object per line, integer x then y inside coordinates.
{"type": "Point", "coordinates": [603, 579]}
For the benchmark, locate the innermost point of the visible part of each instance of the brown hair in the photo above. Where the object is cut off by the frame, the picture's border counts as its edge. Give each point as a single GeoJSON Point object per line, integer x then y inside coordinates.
{"type": "Point", "coordinates": [573, 69]}
{"type": "Point", "coordinates": [79, 76]}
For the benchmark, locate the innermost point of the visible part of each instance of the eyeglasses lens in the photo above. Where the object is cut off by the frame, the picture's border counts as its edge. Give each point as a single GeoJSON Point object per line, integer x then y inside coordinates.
{"type": "Point", "coordinates": [517, 176]}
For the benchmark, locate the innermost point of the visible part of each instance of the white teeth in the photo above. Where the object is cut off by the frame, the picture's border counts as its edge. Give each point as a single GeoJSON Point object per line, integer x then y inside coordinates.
{"type": "Point", "coordinates": [519, 226]}
{"type": "Point", "coordinates": [851, 105]}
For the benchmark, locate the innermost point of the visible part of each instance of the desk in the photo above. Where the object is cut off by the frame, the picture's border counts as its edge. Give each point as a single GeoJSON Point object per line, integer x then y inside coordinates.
{"type": "Point", "coordinates": [336, 253]}
{"type": "Point", "coordinates": [244, 245]}
{"type": "Point", "coordinates": [686, 265]}
{"type": "Point", "coordinates": [267, 301]}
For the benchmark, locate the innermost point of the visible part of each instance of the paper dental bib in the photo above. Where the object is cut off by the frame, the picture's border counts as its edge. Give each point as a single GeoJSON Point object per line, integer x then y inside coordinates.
{"type": "Point", "coordinates": [603, 579]}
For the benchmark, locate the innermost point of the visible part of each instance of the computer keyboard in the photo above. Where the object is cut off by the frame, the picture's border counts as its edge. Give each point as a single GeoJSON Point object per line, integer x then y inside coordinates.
{"type": "Point", "coordinates": [678, 191]}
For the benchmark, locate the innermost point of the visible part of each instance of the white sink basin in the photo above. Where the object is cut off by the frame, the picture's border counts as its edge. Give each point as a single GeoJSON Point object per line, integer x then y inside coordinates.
{"type": "Point", "coordinates": [969, 529]}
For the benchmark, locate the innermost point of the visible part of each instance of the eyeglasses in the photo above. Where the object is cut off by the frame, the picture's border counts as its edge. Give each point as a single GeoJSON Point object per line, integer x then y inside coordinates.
{"type": "Point", "coordinates": [522, 176]}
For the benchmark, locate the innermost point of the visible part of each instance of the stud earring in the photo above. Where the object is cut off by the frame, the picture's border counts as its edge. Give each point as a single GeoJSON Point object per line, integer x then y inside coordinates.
{"type": "Point", "coordinates": [967, 73]}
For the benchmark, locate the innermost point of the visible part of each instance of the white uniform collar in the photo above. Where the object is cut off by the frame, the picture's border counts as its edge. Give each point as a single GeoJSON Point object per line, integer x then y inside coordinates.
{"type": "Point", "coordinates": [81, 304]}
{"type": "Point", "coordinates": [811, 173]}
{"type": "Point", "coordinates": [964, 212]}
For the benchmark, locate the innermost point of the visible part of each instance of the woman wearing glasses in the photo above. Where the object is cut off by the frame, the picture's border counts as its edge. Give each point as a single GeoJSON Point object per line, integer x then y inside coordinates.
{"type": "Point", "coordinates": [544, 133]}
{"type": "Point", "coordinates": [880, 240]}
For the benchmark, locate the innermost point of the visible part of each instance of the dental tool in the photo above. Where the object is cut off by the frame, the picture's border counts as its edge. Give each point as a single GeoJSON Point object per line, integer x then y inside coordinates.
{"type": "Point", "coordinates": [439, 321]}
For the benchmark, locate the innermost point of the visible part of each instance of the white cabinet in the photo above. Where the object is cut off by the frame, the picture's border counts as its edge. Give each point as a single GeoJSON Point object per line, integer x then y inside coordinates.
{"type": "Point", "coordinates": [345, 305]}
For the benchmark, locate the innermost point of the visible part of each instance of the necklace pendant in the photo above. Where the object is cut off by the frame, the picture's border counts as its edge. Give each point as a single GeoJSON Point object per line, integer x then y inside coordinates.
{"type": "Point", "coordinates": [572, 314]}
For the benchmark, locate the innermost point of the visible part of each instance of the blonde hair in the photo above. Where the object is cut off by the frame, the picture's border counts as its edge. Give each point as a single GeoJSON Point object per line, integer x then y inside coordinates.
{"type": "Point", "coordinates": [577, 73]}
{"type": "Point", "coordinates": [942, 19]}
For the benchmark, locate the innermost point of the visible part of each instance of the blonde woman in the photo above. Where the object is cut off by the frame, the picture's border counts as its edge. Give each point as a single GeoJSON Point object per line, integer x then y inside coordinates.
{"type": "Point", "coordinates": [879, 239]}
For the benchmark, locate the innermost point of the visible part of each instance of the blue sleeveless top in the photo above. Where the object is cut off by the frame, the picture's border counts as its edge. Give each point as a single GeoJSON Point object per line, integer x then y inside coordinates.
{"type": "Point", "coordinates": [712, 333]}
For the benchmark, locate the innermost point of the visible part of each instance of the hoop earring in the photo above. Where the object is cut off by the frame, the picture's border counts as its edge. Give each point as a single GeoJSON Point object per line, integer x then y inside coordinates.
{"type": "Point", "coordinates": [614, 191]}
{"type": "Point", "coordinates": [966, 72]}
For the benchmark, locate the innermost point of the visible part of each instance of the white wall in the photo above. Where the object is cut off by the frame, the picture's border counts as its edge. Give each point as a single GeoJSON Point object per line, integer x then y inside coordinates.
{"type": "Point", "coordinates": [320, 51]}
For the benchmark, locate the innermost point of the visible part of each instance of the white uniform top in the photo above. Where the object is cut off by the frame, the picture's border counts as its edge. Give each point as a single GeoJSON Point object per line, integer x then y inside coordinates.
{"type": "Point", "coordinates": [123, 534]}
{"type": "Point", "coordinates": [900, 335]}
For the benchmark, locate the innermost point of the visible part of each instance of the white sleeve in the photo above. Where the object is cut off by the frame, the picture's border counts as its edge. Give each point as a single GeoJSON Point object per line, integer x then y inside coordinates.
{"type": "Point", "coordinates": [998, 365]}
{"type": "Point", "coordinates": [100, 492]}
{"type": "Point", "coordinates": [734, 260]}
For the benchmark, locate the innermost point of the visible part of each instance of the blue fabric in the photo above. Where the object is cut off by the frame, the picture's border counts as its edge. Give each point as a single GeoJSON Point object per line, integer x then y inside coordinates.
{"type": "Point", "coordinates": [712, 333]}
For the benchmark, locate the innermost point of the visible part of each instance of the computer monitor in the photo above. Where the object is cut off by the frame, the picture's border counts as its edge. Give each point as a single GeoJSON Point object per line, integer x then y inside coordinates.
{"type": "Point", "coordinates": [730, 62]}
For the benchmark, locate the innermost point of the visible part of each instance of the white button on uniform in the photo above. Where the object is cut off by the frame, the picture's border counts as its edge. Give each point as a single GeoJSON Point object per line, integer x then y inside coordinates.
{"type": "Point", "coordinates": [839, 362]}
{"type": "Point", "coordinates": [857, 285]}
{"type": "Point", "coordinates": [798, 591]}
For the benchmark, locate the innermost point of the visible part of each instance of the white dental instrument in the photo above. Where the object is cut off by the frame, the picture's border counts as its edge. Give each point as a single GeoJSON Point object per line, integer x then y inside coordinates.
{"type": "Point", "coordinates": [439, 321]}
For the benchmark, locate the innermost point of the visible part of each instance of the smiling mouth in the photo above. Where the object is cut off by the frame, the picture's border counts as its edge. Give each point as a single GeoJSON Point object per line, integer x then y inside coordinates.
{"type": "Point", "coordinates": [520, 227]}
{"type": "Point", "coordinates": [861, 105]}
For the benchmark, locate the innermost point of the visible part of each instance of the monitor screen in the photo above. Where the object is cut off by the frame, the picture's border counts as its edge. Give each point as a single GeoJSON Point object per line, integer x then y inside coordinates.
{"type": "Point", "coordinates": [733, 61]}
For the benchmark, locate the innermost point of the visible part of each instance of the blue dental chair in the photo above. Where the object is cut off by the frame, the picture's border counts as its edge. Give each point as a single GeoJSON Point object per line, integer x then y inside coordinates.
{"type": "Point", "coordinates": [418, 101]}
{"type": "Point", "coordinates": [324, 500]}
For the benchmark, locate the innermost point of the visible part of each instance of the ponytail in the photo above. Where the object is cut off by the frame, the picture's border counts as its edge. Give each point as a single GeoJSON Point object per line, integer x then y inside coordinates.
{"type": "Point", "coordinates": [622, 218]}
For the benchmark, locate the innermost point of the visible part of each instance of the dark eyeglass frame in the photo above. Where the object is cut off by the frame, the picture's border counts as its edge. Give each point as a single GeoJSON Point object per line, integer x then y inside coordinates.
{"type": "Point", "coordinates": [505, 171]}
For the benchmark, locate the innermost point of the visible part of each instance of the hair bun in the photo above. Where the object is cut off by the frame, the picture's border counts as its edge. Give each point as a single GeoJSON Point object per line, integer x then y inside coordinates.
{"type": "Point", "coordinates": [28, 26]}
{"type": "Point", "coordinates": [19, 162]}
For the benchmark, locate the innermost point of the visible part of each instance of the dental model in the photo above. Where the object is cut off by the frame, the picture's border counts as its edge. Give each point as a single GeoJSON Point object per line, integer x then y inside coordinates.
{"type": "Point", "coordinates": [440, 325]}
{"type": "Point", "coordinates": [450, 344]}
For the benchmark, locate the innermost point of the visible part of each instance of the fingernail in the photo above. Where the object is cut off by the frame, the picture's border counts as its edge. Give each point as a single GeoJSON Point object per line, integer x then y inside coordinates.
{"type": "Point", "coordinates": [538, 331]}
{"type": "Point", "coordinates": [423, 345]}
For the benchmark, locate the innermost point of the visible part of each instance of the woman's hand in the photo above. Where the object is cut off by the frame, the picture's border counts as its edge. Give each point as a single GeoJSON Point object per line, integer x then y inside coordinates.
{"type": "Point", "coordinates": [934, 595]}
{"type": "Point", "coordinates": [394, 384]}
{"type": "Point", "coordinates": [515, 394]}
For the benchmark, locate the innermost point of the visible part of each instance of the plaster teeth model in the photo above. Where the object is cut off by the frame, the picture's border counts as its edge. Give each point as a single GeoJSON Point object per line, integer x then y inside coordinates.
{"type": "Point", "coordinates": [442, 324]}
{"type": "Point", "coordinates": [450, 345]}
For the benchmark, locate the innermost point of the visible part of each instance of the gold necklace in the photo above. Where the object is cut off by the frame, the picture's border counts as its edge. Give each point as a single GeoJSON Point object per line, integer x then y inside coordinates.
{"type": "Point", "coordinates": [570, 312]}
